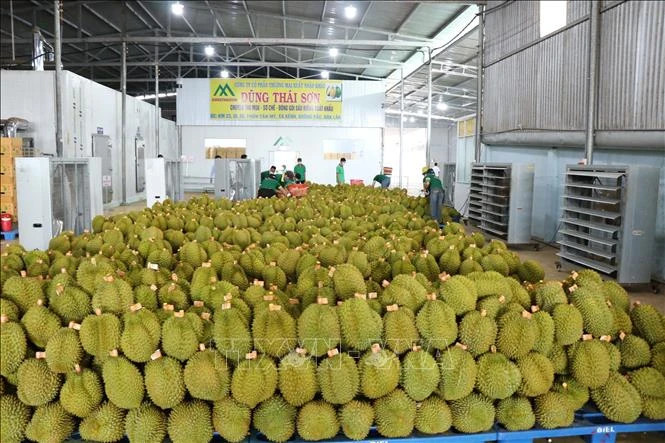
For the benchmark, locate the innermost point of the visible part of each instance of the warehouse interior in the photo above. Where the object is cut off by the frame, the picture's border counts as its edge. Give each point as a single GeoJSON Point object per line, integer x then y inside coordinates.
{"type": "Point", "coordinates": [332, 220]}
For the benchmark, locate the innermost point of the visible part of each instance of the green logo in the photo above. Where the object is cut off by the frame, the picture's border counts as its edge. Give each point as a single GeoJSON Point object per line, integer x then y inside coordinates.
{"type": "Point", "coordinates": [223, 91]}
{"type": "Point", "coordinates": [283, 141]}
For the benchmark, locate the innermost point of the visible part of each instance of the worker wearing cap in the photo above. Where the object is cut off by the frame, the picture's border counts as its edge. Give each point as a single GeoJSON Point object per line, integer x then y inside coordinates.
{"type": "Point", "coordinates": [339, 171]}
{"type": "Point", "coordinates": [382, 179]}
{"type": "Point", "coordinates": [271, 187]}
{"type": "Point", "coordinates": [434, 188]}
{"type": "Point", "coordinates": [265, 174]}
{"type": "Point", "coordinates": [299, 170]}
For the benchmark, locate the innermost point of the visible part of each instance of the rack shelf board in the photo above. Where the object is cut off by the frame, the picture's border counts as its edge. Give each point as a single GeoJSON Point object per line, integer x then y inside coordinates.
{"type": "Point", "coordinates": [588, 262]}
{"type": "Point", "coordinates": [609, 201]}
{"type": "Point", "coordinates": [592, 186]}
{"type": "Point", "coordinates": [594, 174]}
{"type": "Point", "coordinates": [602, 214]}
{"type": "Point", "coordinates": [591, 225]}
{"type": "Point", "coordinates": [585, 236]}
{"type": "Point", "coordinates": [588, 249]}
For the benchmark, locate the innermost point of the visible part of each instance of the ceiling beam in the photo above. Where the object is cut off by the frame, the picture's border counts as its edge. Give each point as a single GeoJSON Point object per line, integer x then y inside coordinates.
{"type": "Point", "coordinates": [203, 64]}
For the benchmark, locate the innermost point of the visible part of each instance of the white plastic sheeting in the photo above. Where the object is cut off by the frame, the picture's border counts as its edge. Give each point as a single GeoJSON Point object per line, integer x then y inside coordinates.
{"type": "Point", "coordinates": [362, 106]}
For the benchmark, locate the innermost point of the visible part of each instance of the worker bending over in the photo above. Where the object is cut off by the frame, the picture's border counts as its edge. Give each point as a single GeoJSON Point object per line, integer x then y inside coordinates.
{"type": "Point", "coordinates": [271, 187]}
{"type": "Point", "coordinates": [382, 179]}
{"type": "Point", "coordinates": [434, 189]}
{"type": "Point", "coordinates": [299, 170]}
{"type": "Point", "coordinates": [270, 171]}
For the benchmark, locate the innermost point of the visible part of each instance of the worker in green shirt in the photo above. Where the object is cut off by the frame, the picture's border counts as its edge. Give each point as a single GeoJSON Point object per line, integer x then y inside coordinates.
{"type": "Point", "coordinates": [271, 187]}
{"type": "Point", "coordinates": [434, 189]}
{"type": "Point", "coordinates": [299, 170]}
{"type": "Point", "coordinates": [289, 178]}
{"type": "Point", "coordinates": [339, 171]}
{"type": "Point", "coordinates": [265, 174]}
{"type": "Point", "coordinates": [382, 179]}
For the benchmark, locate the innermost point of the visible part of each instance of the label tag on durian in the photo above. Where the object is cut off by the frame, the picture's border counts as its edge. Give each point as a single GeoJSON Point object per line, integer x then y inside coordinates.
{"type": "Point", "coordinates": [360, 296]}
{"type": "Point", "coordinates": [4, 318]}
{"type": "Point", "coordinates": [206, 264]}
{"type": "Point", "coordinates": [205, 315]}
{"type": "Point", "coordinates": [74, 325]}
{"type": "Point", "coordinates": [226, 306]}
{"type": "Point", "coordinates": [622, 335]}
{"type": "Point", "coordinates": [98, 311]}
{"type": "Point", "coordinates": [153, 266]}
{"type": "Point", "coordinates": [77, 368]}
{"type": "Point", "coordinates": [320, 284]}
{"type": "Point", "coordinates": [168, 307]}
{"type": "Point", "coordinates": [63, 271]}
{"type": "Point", "coordinates": [415, 348]}
{"type": "Point", "coordinates": [526, 314]}
{"type": "Point", "coordinates": [273, 307]}
{"type": "Point", "coordinates": [372, 295]}
{"type": "Point", "coordinates": [153, 287]}
{"type": "Point", "coordinates": [321, 301]}
{"type": "Point", "coordinates": [331, 272]}
{"type": "Point", "coordinates": [431, 297]}
{"type": "Point", "coordinates": [572, 289]}
{"type": "Point", "coordinates": [202, 347]}
{"type": "Point", "coordinates": [174, 276]}
{"type": "Point", "coordinates": [333, 352]}
{"type": "Point", "coordinates": [607, 338]}
{"type": "Point", "coordinates": [108, 278]}
{"type": "Point", "coordinates": [113, 352]}
{"type": "Point", "coordinates": [587, 337]}
{"type": "Point", "coordinates": [40, 355]}
{"type": "Point", "coordinates": [179, 314]}
{"type": "Point", "coordinates": [228, 297]}
{"type": "Point", "coordinates": [301, 351]}
{"type": "Point", "coordinates": [392, 308]}
{"type": "Point", "coordinates": [461, 345]}
{"type": "Point", "coordinates": [535, 309]}
{"type": "Point", "coordinates": [483, 313]}
{"type": "Point", "coordinates": [155, 355]}
{"type": "Point", "coordinates": [198, 303]}
{"type": "Point", "coordinates": [385, 283]}
{"type": "Point", "coordinates": [135, 307]}
{"type": "Point", "coordinates": [268, 297]}
{"type": "Point", "coordinates": [339, 303]}
{"type": "Point", "coordinates": [376, 348]}
{"type": "Point", "coordinates": [444, 276]}
{"type": "Point", "coordinates": [574, 274]}
{"type": "Point", "coordinates": [251, 355]}
{"type": "Point", "coordinates": [294, 301]}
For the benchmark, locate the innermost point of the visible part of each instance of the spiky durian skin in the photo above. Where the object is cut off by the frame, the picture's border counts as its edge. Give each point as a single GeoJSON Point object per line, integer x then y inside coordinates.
{"type": "Point", "coordinates": [297, 379]}
{"type": "Point", "coordinates": [577, 394]}
{"type": "Point", "coordinates": [459, 293]}
{"type": "Point", "coordinates": [338, 379]}
{"type": "Point", "coordinates": [493, 385]}
{"type": "Point", "coordinates": [190, 421]}
{"type": "Point", "coordinates": [347, 281]}
{"type": "Point", "coordinates": [568, 324]}
{"type": "Point", "coordinates": [517, 335]}
{"type": "Point", "coordinates": [317, 420]}
{"type": "Point", "coordinates": [635, 352]}
{"type": "Point", "coordinates": [648, 382]}
{"type": "Point", "coordinates": [531, 271]}
{"type": "Point", "coordinates": [617, 399]}
{"type": "Point", "coordinates": [590, 364]}
{"type": "Point", "coordinates": [318, 329]}
{"type": "Point", "coordinates": [100, 334]}
{"type": "Point", "coordinates": [254, 381]}
{"type": "Point", "coordinates": [395, 414]}
{"type": "Point", "coordinates": [458, 373]}
{"type": "Point", "coordinates": [616, 295]}
{"type": "Point", "coordinates": [658, 357]}
{"type": "Point", "coordinates": [207, 375]}
{"type": "Point", "coordinates": [356, 418]}
{"type": "Point", "coordinates": [436, 324]}
{"type": "Point", "coordinates": [549, 294]}
{"type": "Point", "coordinates": [274, 332]}
{"type": "Point", "coordinates": [50, 423]}
{"type": "Point", "coordinates": [433, 416]}
{"type": "Point", "coordinates": [360, 325]}
{"type": "Point", "coordinates": [379, 373]}
{"type": "Point", "coordinates": [140, 336]}
{"type": "Point", "coordinates": [275, 419]}
{"type": "Point", "coordinates": [13, 347]}
{"type": "Point", "coordinates": [164, 382]}
{"type": "Point", "coordinates": [537, 374]}
{"type": "Point", "coordinates": [14, 417]}
{"type": "Point", "coordinates": [81, 393]}
{"type": "Point", "coordinates": [123, 383]}
{"type": "Point", "coordinates": [399, 330]}
{"type": "Point", "coordinates": [64, 350]}
{"type": "Point", "coordinates": [181, 336]}
{"type": "Point", "coordinates": [420, 374]}
{"type": "Point", "coordinates": [553, 410]}
{"type": "Point", "coordinates": [597, 317]}
{"type": "Point", "coordinates": [515, 413]}
{"type": "Point", "coordinates": [231, 419]}
{"type": "Point", "coordinates": [37, 385]}
{"type": "Point", "coordinates": [545, 326]}
{"type": "Point", "coordinates": [231, 334]}
{"type": "Point", "coordinates": [145, 424]}
{"type": "Point", "coordinates": [106, 424]}
{"type": "Point", "coordinates": [473, 413]}
{"type": "Point", "coordinates": [40, 325]}
{"type": "Point", "coordinates": [478, 332]}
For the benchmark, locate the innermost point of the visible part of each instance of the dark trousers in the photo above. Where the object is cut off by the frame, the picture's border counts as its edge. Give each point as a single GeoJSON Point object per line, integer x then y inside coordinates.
{"type": "Point", "coordinates": [266, 193]}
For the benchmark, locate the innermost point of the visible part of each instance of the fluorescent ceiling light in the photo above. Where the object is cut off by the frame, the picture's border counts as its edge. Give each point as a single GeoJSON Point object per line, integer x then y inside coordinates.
{"type": "Point", "coordinates": [325, 74]}
{"type": "Point", "coordinates": [333, 52]}
{"type": "Point", "coordinates": [350, 11]}
{"type": "Point", "coordinates": [177, 8]}
{"type": "Point", "coordinates": [151, 96]}
{"type": "Point", "coordinates": [441, 106]}
{"type": "Point", "coordinates": [412, 119]}
{"type": "Point", "coordinates": [209, 51]}
{"type": "Point", "coordinates": [224, 73]}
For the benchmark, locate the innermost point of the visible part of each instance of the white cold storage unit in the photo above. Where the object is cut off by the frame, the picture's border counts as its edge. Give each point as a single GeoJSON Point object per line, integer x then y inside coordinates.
{"type": "Point", "coordinates": [163, 179]}
{"type": "Point", "coordinates": [237, 179]}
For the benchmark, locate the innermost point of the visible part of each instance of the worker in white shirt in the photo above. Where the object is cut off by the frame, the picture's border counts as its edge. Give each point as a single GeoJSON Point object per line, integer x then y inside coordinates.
{"type": "Point", "coordinates": [436, 169]}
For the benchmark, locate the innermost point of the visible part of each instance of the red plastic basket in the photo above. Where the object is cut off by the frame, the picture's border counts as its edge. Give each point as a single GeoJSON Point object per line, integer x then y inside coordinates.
{"type": "Point", "coordinates": [298, 190]}
{"type": "Point", "coordinates": [357, 182]}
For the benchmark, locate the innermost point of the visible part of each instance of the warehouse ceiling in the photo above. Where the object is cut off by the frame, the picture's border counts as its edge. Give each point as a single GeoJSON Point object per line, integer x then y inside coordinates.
{"type": "Point", "coordinates": [373, 39]}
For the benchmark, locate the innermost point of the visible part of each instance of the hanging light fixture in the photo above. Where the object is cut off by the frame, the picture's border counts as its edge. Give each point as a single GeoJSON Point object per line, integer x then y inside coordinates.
{"type": "Point", "coordinates": [177, 8]}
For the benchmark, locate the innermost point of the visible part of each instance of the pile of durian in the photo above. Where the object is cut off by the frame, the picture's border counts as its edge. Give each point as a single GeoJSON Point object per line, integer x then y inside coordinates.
{"type": "Point", "coordinates": [334, 313]}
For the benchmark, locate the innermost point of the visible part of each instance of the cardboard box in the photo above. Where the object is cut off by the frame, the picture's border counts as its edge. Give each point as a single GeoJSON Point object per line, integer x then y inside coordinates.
{"type": "Point", "coordinates": [11, 147]}
{"type": "Point", "coordinates": [8, 207]}
{"type": "Point", "coordinates": [7, 193]}
{"type": "Point", "coordinates": [7, 168]}
{"type": "Point", "coordinates": [6, 179]}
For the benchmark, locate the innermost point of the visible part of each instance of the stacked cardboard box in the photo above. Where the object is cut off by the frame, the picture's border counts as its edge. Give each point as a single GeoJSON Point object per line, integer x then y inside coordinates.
{"type": "Point", "coordinates": [10, 148]}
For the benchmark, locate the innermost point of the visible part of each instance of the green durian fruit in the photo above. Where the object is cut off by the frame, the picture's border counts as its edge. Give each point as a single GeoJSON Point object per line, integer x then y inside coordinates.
{"type": "Point", "coordinates": [515, 413]}
{"type": "Point", "coordinates": [597, 317]}
{"type": "Point", "coordinates": [545, 326]}
{"type": "Point", "coordinates": [549, 294]}
{"type": "Point", "coordinates": [436, 324]}
{"type": "Point", "coordinates": [360, 325]}
{"type": "Point", "coordinates": [622, 322]}
{"type": "Point", "coordinates": [658, 357]}
{"type": "Point", "coordinates": [231, 419]}
{"type": "Point", "coordinates": [64, 350]}
{"type": "Point", "coordinates": [70, 303]}
{"type": "Point", "coordinates": [112, 295]}
{"type": "Point", "coordinates": [190, 422]}
{"type": "Point", "coordinates": [553, 410]}
{"type": "Point", "coordinates": [648, 381]}
{"type": "Point", "coordinates": [13, 346]}
{"type": "Point", "coordinates": [531, 271]}
{"type": "Point", "coordinates": [477, 331]}
{"type": "Point", "coordinates": [433, 416]}
{"type": "Point", "coordinates": [318, 328]}
{"type": "Point", "coordinates": [317, 420]}
{"type": "Point", "coordinates": [577, 394]}
{"type": "Point", "coordinates": [50, 423]}
{"type": "Point", "coordinates": [23, 291]}
{"type": "Point", "coordinates": [458, 373]}
{"type": "Point", "coordinates": [617, 399]}
{"type": "Point", "coordinates": [473, 413]}
{"type": "Point", "coordinates": [568, 324]}
{"type": "Point", "coordinates": [653, 408]}
{"type": "Point", "coordinates": [537, 374]}
{"type": "Point", "coordinates": [141, 334]}
{"type": "Point", "coordinates": [275, 419]}
{"type": "Point", "coordinates": [297, 378]}
{"type": "Point", "coordinates": [450, 261]}
{"type": "Point", "coordinates": [181, 335]}
{"type": "Point", "coordinates": [37, 385]}
{"type": "Point", "coordinates": [590, 364]}
{"type": "Point", "coordinates": [347, 281]}
{"type": "Point", "coordinates": [144, 424]}
{"type": "Point", "coordinates": [487, 382]}
{"type": "Point", "coordinates": [420, 374]}
{"type": "Point", "coordinates": [459, 293]}
{"type": "Point", "coordinates": [40, 324]}
{"type": "Point", "coordinates": [379, 372]}
{"type": "Point", "coordinates": [635, 351]}
{"type": "Point", "coordinates": [395, 414]}
{"type": "Point", "coordinates": [338, 378]}
{"type": "Point", "coordinates": [9, 309]}
{"type": "Point", "coordinates": [164, 382]}
{"type": "Point", "coordinates": [648, 323]}
{"type": "Point", "coordinates": [231, 333]}
{"type": "Point", "coordinates": [14, 417]}
{"type": "Point", "coordinates": [123, 382]}
{"type": "Point", "coordinates": [616, 295]}
{"type": "Point", "coordinates": [400, 332]}
{"type": "Point", "coordinates": [207, 375]}
{"type": "Point", "coordinates": [254, 381]}
{"type": "Point", "coordinates": [356, 418]}
{"type": "Point", "coordinates": [274, 331]}
{"type": "Point", "coordinates": [100, 334]}
{"type": "Point", "coordinates": [517, 334]}
{"type": "Point", "coordinates": [82, 392]}
{"type": "Point", "coordinates": [106, 423]}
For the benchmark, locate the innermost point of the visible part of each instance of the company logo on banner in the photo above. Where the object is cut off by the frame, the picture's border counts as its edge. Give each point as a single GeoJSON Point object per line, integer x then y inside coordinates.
{"type": "Point", "coordinates": [275, 99]}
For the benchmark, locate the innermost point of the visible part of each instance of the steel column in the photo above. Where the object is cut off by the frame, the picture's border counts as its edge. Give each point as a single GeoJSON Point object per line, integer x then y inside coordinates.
{"type": "Point", "coordinates": [428, 150]}
{"type": "Point", "coordinates": [123, 141]}
{"type": "Point", "coordinates": [401, 125]}
{"type": "Point", "coordinates": [58, 79]}
{"type": "Point", "coordinates": [592, 80]}
{"type": "Point", "coordinates": [157, 111]}
{"type": "Point", "coordinates": [11, 26]}
{"type": "Point", "coordinates": [479, 80]}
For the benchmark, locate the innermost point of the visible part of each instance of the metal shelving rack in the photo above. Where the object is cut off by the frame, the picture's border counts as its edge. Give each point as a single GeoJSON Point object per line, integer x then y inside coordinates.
{"type": "Point", "coordinates": [500, 200]}
{"type": "Point", "coordinates": [608, 219]}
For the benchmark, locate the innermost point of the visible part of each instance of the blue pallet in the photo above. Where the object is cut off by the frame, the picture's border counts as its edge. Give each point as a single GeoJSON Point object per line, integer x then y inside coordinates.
{"type": "Point", "coordinates": [375, 437]}
{"type": "Point", "coordinates": [9, 235]}
{"type": "Point", "coordinates": [588, 411]}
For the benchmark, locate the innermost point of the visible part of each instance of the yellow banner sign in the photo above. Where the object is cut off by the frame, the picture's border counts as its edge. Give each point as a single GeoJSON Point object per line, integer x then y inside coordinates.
{"type": "Point", "coordinates": [275, 99]}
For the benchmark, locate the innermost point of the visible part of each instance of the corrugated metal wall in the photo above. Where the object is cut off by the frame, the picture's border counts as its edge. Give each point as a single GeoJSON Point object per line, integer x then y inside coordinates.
{"type": "Point", "coordinates": [544, 86]}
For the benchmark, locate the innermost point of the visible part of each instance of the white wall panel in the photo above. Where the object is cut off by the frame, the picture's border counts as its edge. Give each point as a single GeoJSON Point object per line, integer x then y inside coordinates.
{"type": "Point", "coordinates": [362, 106]}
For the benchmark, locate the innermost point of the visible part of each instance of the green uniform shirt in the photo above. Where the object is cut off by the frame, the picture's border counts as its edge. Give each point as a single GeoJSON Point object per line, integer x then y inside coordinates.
{"type": "Point", "coordinates": [300, 169]}
{"type": "Point", "coordinates": [434, 182]}
{"type": "Point", "coordinates": [379, 178]}
{"type": "Point", "coordinates": [264, 175]}
{"type": "Point", "coordinates": [288, 182]}
{"type": "Point", "coordinates": [340, 173]}
{"type": "Point", "coordinates": [270, 183]}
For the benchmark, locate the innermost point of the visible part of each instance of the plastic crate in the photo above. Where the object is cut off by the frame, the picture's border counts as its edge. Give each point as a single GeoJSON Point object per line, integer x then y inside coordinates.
{"type": "Point", "coordinates": [298, 190]}
{"type": "Point", "coordinates": [355, 182]}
